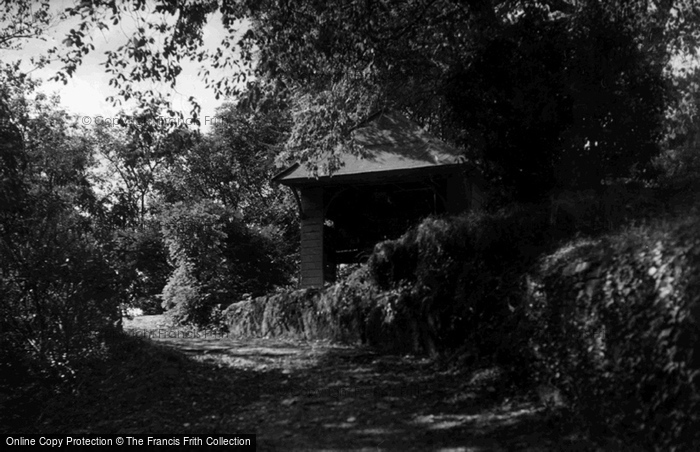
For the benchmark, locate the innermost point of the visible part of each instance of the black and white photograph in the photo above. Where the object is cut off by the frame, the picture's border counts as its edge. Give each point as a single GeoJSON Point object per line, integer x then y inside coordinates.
{"type": "Point", "coordinates": [350, 225]}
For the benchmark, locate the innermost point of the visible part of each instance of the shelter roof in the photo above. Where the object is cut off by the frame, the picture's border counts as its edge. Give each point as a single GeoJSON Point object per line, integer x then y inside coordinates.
{"type": "Point", "coordinates": [393, 146]}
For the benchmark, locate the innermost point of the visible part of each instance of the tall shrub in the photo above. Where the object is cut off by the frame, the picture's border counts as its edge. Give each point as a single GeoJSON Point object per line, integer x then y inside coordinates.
{"type": "Point", "coordinates": [217, 258]}
{"type": "Point", "coordinates": [459, 280]}
{"type": "Point", "coordinates": [618, 329]}
{"type": "Point", "coordinates": [58, 296]}
{"type": "Point", "coordinates": [142, 260]}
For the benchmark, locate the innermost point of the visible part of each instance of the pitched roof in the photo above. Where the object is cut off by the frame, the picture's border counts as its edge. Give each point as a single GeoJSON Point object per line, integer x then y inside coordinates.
{"type": "Point", "coordinates": [392, 145]}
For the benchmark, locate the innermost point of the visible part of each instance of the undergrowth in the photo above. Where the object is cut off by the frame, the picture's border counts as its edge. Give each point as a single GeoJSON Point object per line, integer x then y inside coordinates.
{"type": "Point", "coordinates": [611, 322]}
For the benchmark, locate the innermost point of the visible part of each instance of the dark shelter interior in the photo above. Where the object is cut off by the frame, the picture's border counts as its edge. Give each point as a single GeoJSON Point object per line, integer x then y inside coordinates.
{"type": "Point", "coordinates": [402, 176]}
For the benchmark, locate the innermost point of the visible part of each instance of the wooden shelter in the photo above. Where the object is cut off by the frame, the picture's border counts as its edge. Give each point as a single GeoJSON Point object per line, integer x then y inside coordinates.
{"type": "Point", "coordinates": [405, 175]}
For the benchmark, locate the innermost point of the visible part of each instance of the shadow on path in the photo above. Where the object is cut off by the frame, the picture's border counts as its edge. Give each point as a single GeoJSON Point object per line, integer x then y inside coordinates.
{"type": "Point", "coordinates": [302, 396]}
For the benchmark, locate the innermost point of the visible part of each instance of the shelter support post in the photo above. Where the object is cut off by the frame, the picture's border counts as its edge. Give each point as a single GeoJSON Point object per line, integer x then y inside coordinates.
{"type": "Point", "coordinates": [312, 252]}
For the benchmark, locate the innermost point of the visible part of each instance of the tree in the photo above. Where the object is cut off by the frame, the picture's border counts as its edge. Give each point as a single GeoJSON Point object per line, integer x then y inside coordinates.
{"type": "Point", "coordinates": [58, 292]}
{"type": "Point", "coordinates": [136, 153]}
{"type": "Point", "coordinates": [138, 150]}
{"type": "Point", "coordinates": [561, 104]}
{"type": "Point", "coordinates": [216, 259]}
{"type": "Point", "coordinates": [12, 163]}
{"type": "Point", "coordinates": [335, 65]}
{"type": "Point", "coordinates": [22, 20]}
{"type": "Point", "coordinates": [680, 160]}
{"type": "Point", "coordinates": [51, 153]}
{"type": "Point", "coordinates": [228, 231]}
{"type": "Point", "coordinates": [235, 162]}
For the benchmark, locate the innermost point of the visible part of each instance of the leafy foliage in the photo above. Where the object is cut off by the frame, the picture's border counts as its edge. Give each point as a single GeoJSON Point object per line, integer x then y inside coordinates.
{"type": "Point", "coordinates": [137, 152]}
{"type": "Point", "coordinates": [679, 164]}
{"type": "Point", "coordinates": [337, 313]}
{"type": "Point", "coordinates": [59, 292]}
{"type": "Point", "coordinates": [460, 279]}
{"type": "Point", "coordinates": [14, 160]}
{"type": "Point", "coordinates": [141, 259]}
{"type": "Point", "coordinates": [561, 103]}
{"type": "Point", "coordinates": [59, 298]}
{"type": "Point", "coordinates": [617, 327]}
{"type": "Point", "coordinates": [234, 164]}
{"type": "Point", "coordinates": [577, 91]}
{"type": "Point", "coordinates": [22, 20]}
{"type": "Point", "coordinates": [445, 283]}
{"type": "Point", "coordinates": [580, 94]}
{"type": "Point", "coordinates": [245, 231]}
{"type": "Point", "coordinates": [612, 323]}
{"type": "Point", "coordinates": [217, 259]}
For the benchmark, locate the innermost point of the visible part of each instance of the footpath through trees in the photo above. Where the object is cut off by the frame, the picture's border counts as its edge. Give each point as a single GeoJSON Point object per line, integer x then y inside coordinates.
{"type": "Point", "coordinates": [305, 396]}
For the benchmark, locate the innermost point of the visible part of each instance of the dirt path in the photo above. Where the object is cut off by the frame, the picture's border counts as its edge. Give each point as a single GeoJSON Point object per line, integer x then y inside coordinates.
{"type": "Point", "coordinates": [306, 396]}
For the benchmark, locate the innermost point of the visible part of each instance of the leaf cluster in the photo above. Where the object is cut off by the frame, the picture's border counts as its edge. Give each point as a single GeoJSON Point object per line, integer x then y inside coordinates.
{"type": "Point", "coordinates": [617, 324]}
{"type": "Point", "coordinates": [217, 258]}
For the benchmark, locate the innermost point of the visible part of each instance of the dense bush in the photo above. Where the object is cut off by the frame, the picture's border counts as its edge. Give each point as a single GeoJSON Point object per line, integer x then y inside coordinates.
{"type": "Point", "coordinates": [296, 313]}
{"type": "Point", "coordinates": [617, 328]}
{"type": "Point", "coordinates": [58, 298]}
{"type": "Point", "coordinates": [141, 258]}
{"type": "Point", "coordinates": [613, 323]}
{"type": "Point", "coordinates": [217, 258]}
{"type": "Point", "coordinates": [335, 313]}
{"type": "Point", "coordinates": [445, 283]}
{"type": "Point", "coordinates": [459, 280]}
{"type": "Point", "coordinates": [58, 291]}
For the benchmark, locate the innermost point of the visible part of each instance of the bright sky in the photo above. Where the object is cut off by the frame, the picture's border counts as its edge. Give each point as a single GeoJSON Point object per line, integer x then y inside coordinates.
{"type": "Point", "coordinates": [86, 92]}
